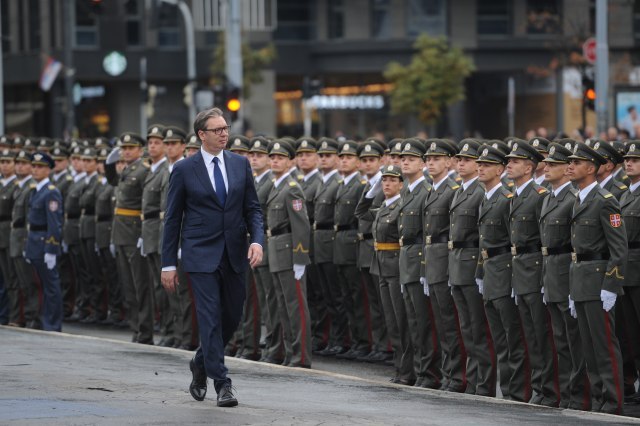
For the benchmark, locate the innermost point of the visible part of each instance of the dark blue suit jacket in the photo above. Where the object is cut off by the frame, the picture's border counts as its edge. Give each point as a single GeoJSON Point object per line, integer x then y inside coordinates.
{"type": "Point", "coordinates": [206, 229]}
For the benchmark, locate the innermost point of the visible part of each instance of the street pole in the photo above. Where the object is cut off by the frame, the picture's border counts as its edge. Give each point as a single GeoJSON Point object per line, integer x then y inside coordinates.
{"type": "Point", "coordinates": [1, 81]}
{"type": "Point", "coordinates": [143, 95]}
{"type": "Point", "coordinates": [602, 66]}
{"type": "Point", "coordinates": [68, 67]}
{"type": "Point", "coordinates": [233, 56]}
{"type": "Point", "coordinates": [511, 104]}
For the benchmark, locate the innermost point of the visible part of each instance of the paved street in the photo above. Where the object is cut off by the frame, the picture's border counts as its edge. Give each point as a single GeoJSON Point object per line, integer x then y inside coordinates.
{"type": "Point", "coordinates": [63, 379]}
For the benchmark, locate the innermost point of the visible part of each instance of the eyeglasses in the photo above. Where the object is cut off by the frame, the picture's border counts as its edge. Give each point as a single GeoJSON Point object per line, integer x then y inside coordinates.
{"type": "Point", "coordinates": [219, 130]}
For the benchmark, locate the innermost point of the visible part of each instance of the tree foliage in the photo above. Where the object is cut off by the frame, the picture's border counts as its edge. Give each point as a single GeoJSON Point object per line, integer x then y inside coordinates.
{"type": "Point", "coordinates": [253, 62]}
{"type": "Point", "coordinates": [432, 80]}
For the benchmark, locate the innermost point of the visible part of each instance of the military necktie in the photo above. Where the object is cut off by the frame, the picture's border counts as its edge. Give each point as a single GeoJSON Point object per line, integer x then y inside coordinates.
{"type": "Point", "coordinates": [221, 190]}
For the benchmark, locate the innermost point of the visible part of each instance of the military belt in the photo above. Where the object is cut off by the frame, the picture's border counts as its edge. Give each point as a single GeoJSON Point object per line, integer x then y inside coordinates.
{"type": "Point", "coordinates": [634, 244]}
{"type": "Point", "coordinates": [586, 257]}
{"type": "Point", "coordinates": [5, 218]}
{"type": "Point", "coordinates": [532, 248]}
{"type": "Point", "coordinates": [104, 218]}
{"type": "Point", "coordinates": [437, 239]}
{"type": "Point", "coordinates": [71, 216]}
{"type": "Point", "coordinates": [275, 232]}
{"type": "Point", "coordinates": [88, 212]}
{"type": "Point", "coordinates": [36, 228]}
{"type": "Point", "coordinates": [127, 212]}
{"type": "Point", "coordinates": [488, 253]}
{"type": "Point", "coordinates": [323, 226]}
{"type": "Point", "coordinates": [410, 241]}
{"type": "Point", "coordinates": [463, 244]}
{"type": "Point", "coordinates": [386, 246]}
{"type": "Point", "coordinates": [339, 228]}
{"type": "Point", "coordinates": [150, 215]}
{"type": "Point", "coordinates": [18, 223]}
{"type": "Point", "coordinates": [365, 236]}
{"type": "Point", "coordinates": [550, 251]}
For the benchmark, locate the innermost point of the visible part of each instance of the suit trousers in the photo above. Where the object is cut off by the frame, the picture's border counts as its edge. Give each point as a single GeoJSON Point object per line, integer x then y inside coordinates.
{"type": "Point", "coordinates": [219, 297]}
{"type": "Point", "coordinates": [397, 327]}
{"type": "Point", "coordinates": [478, 341]}
{"type": "Point", "coordinates": [297, 330]}
{"type": "Point", "coordinates": [351, 286]}
{"type": "Point", "coordinates": [602, 354]}
{"type": "Point", "coordinates": [11, 286]}
{"type": "Point", "coordinates": [627, 325]}
{"type": "Point", "coordinates": [454, 354]}
{"type": "Point", "coordinates": [332, 293]}
{"type": "Point", "coordinates": [511, 348]}
{"type": "Point", "coordinates": [274, 342]}
{"type": "Point", "coordinates": [138, 291]}
{"type": "Point", "coordinates": [379, 338]}
{"type": "Point", "coordinates": [542, 353]}
{"type": "Point", "coordinates": [424, 335]}
{"type": "Point", "coordinates": [52, 301]}
{"type": "Point", "coordinates": [29, 290]}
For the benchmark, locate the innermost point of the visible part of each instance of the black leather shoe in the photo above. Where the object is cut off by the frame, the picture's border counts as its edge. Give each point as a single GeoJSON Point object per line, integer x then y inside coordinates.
{"type": "Point", "coordinates": [352, 354]}
{"type": "Point", "coordinates": [537, 399]}
{"type": "Point", "coordinates": [167, 342]}
{"type": "Point", "coordinates": [198, 386]}
{"type": "Point", "coordinates": [250, 356]}
{"type": "Point", "coordinates": [226, 398]}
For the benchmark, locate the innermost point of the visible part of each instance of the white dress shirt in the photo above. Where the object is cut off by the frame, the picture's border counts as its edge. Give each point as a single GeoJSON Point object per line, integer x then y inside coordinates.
{"type": "Point", "coordinates": [155, 165]}
{"type": "Point", "coordinates": [391, 200]}
{"type": "Point", "coordinates": [208, 162]}
{"type": "Point", "coordinates": [42, 183]}
{"type": "Point", "coordinates": [417, 182]}
{"type": "Point", "coordinates": [468, 183]}
{"type": "Point", "coordinates": [585, 192]}
{"type": "Point", "coordinates": [521, 188]}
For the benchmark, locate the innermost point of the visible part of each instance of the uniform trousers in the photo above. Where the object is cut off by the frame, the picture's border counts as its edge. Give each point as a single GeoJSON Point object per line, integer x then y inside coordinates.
{"type": "Point", "coordinates": [317, 307]}
{"type": "Point", "coordinates": [82, 279]}
{"type": "Point", "coordinates": [274, 343]}
{"type": "Point", "coordinates": [332, 293]}
{"type": "Point", "coordinates": [353, 300]}
{"type": "Point", "coordinates": [28, 292]}
{"type": "Point", "coordinates": [481, 373]}
{"type": "Point", "coordinates": [96, 291]}
{"type": "Point", "coordinates": [52, 295]}
{"type": "Point", "coordinates": [184, 310]}
{"type": "Point", "coordinates": [378, 329]}
{"type": "Point", "coordinates": [137, 287]}
{"type": "Point", "coordinates": [627, 325]}
{"type": "Point", "coordinates": [161, 305]}
{"type": "Point", "coordinates": [602, 354]}
{"type": "Point", "coordinates": [11, 287]}
{"type": "Point", "coordinates": [250, 325]}
{"type": "Point", "coordinates": [114, 287]}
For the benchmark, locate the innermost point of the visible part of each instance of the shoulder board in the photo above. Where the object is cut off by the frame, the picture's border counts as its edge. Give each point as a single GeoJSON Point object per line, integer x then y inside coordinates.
{"type": "Point", "coordinates": [458, 179]}
{"type": "Point", "coordinates": [363, 181]}
{"type": "Point", "coordinates": [622, 186]}
{"type": "Point", "coordinates": [542, 190]}
{"type": "Point", "coordinates": [51, 187]}
{"type": "Point", "coordinates": [146, 165]}
{"type": "Point", "coordinates": [340, 180]}
{"type": "Point", "coordinates": [607, 195]}
{"type": "Point", "coordinates": [292, 183]}
{"type": "Point", "coordinates": [300, 177]}
{"type": "Point", "coordinates": [254, 174]}
{"type": "Point", "coordinates": [33, 185]}
{"type": "Point", "coordinates": [455, 186]}
{"type": "Point", "coordinates": [274, 180]}
{"type": "Point", "coordinates": [510, 184]}
{"type": "Point", "coordinates": [508, 194]}
{"type": "Point", "coordinates": [69, 177]}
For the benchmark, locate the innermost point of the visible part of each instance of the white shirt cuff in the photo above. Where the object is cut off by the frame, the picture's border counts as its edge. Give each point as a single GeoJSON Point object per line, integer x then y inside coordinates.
{"type": "Point", "coordinates": [168, 268]}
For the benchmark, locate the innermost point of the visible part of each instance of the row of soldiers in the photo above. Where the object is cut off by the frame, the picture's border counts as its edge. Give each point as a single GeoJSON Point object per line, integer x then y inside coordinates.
{"type": "Point", "coordinates": [456, 263]}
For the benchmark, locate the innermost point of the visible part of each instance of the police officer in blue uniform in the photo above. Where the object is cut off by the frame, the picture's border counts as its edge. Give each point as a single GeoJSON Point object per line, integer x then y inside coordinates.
{"type": "Point", "coordinates": [43, 239]}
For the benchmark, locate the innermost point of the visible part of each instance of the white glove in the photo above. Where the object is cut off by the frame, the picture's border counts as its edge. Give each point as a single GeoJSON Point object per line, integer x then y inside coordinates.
{"type": "Point", "coordinates": [425, 285]}
{"type": "Point", "coordinates": [65, 247]}
{"type": "Point", "coordinates": [140, 245]}
{"type": "Point", "coordinates": [375, 189]}
{"type": "Point", "coordinates": [50, 260]}
{"type": "Point", "coordinates": [24, 256]}
{"type": "Point", "coordinates": [401, 289]}
{"type": "Point", "coordinates": [298, 271]}
{"type": "Point", "coordinates": [515, 299]}
{"type": "Point", "coordinates": [112, 249]}
{"type": "Point", "coordinates": [608, 299]}
{"type": "Point", "coordinates": [95, 248]}
{"type": "Point", "coordinates": [113, 157]}
{"type": "Point", "coordinates": [480, 284]}
{"type": "Point", "coordinates": [179, 253]}
{"type": "Point", "coordinates": [544, 296]}
{"type": "Point", "coordinates": [572, 308]}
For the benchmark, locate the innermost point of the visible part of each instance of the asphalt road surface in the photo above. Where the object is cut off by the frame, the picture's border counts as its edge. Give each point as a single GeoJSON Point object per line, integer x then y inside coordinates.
{"type": "Point", "coordinates": [62, 379]}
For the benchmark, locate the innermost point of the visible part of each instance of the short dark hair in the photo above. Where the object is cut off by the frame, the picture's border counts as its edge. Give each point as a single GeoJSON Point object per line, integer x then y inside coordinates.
{"type": "Point", "coordinates": [200, 123]}
{"type": "Point", "coordinates": [631, 108]}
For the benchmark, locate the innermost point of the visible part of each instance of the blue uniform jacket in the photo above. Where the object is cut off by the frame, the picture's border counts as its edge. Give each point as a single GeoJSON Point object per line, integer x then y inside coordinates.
{"type": "Point", "coordinates": [45, 222]}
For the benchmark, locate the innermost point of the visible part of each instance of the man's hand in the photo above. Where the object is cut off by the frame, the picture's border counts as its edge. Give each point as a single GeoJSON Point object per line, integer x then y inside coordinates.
{"type": "Point", "coordinates": [254, 255]}
{"type": "Point", "coordinates": [169, 280]}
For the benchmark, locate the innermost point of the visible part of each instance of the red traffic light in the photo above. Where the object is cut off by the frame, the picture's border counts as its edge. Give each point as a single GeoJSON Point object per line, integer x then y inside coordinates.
{"type": "Point", "coordinates": [590, 94]}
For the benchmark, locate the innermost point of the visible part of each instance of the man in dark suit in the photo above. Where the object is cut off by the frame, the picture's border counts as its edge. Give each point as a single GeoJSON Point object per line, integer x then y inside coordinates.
{"type": "Point", "coordinates": [211, 203]}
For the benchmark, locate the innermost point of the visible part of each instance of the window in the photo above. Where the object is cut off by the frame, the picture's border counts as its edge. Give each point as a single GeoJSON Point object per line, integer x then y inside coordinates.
{"type": "Point", "coordinates": [335, 18]}
{"type": "Point", "coordinates": [34, 25]}
{"type": "Point", "coordinates": [544, 17]}
{"type": "Point", "coordinates": [6, 45]}
{"type": "Point", "coordinates": [381, 19]}
{"type": "Point", "coordinates": [494, 17]}
{"type": "Point", "coordinates": [133, 22]}
{"type": "Point", "coordinates": [168, 26]}
{"type": "Point", "coordinates": [426, 16]}
{"type": "Point", "coordinates": [294, 20]}
{"type": "Point", "coordinates": [86, 24]}
{"type": "Point", "coordinates": [636, 20]}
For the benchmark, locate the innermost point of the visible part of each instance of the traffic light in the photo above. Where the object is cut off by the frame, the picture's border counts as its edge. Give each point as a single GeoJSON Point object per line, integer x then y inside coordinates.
{"type": "Point", "coordinates": [187, 91]}
{"type": "Point", "coordinates": [311, 87]}
{"type": "Point", "coordinates": [588, 92]}
{"type": "Point", "coordinates": [233, 101]}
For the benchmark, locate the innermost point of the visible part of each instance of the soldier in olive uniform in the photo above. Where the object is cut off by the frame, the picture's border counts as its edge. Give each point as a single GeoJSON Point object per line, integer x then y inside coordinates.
{"type": "Point", "coordinates": [422, 329]}
{"type": "Point", "coordinates": [555, 234]}
{"type": "Point", "coordinates": [26, 286]}
{"type": "Point", "coordinates": [149, 242]}
{"type": "Point", "coordinates": [323, 243]}
{"type": "Point", "coordinates": [97, 289]}
{"type": "Point", "coordinates": [132, 267]}
{"type": "Point", "coordinates": [526, 206]}
{"type": "Point", "coordinates": [542, 146]}
{"type": "Point", "coordinates": [596, 275]}
{"type": "Point", "coordinates": [605, 176]}
{"type": "Point", "coordinates": [345, 254]}
{"type": "Point", "coordinates": [274, 351]}
{"type": "Point", "coordinates": [370, 153]}
{"type": "Point", "coordinates": [289, 232]}
{"type": "Point", "coordinates": [464, 252]}
{"type": "Point", "coordinates": [386, 265]}
{"type": "Point", "coordinates": [629, 303]}
{"type": "Point", "coordinates": [7, 189]}
{"type": "Point", "coordinates": [435, 216]}
{"type": "Point", "coordinates": [493, 276]}
{"type": "Point", "coordinates": [104, 205]}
